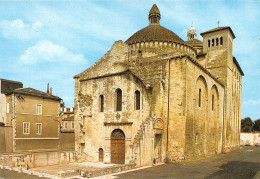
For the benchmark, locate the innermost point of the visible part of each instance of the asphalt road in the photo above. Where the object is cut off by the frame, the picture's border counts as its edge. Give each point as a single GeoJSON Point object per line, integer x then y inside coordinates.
{"type": "Point", "coordinates": [239, 164]}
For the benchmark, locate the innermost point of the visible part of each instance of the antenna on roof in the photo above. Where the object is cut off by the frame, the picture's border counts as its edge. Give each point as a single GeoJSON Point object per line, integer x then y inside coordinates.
{"type": "Point", "coordinates": [48, 91]}
{"type": "Point", "coordinates": [218, 23]}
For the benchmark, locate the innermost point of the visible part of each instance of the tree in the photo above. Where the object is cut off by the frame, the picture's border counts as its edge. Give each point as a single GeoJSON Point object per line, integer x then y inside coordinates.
{"type": "Point", "coordinates": [256, 126]}
{"type": "Point", "coordinates": [247, 125]}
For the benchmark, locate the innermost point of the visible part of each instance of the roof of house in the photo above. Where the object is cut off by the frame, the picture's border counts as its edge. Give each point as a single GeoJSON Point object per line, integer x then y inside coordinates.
{"type": "Point", "coordinates": [1, 79]}
{"type": "Point", "coordinates": [8, 86]}
{"type": "Point", "coordinates": [238, 66]}
{"type": "Point", "coordinates": [34, 92]}
{"type": "Point", "coordinates": [71, 118]}
{"type": "Point", "coordinates": [218, 29]}
{"type": "Point", "coordinates": [194, 43]}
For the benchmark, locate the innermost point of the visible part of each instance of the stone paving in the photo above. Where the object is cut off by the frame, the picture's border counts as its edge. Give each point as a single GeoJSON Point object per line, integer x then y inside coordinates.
{"type": "Point", "coordinates": [56, 170]}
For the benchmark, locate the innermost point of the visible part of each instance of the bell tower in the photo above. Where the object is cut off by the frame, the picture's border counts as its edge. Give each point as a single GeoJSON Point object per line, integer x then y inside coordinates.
{"type": "Point", "coordinates": [192, 33]}
{"type": "Point", "coordinates": [154, 16]}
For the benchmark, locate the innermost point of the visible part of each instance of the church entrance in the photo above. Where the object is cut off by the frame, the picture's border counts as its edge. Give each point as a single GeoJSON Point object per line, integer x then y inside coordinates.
{"type": "Point", "coordinates": [118, 147]}
{"type": "Point", "coordinates": [101, 154]}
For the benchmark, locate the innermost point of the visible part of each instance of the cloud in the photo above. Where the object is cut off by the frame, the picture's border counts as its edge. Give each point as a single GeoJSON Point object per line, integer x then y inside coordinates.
{"type": "Point", "coordinates": [18, 29]}
{"type": "Point", "coordinates": [252, 102]}
{"type": "Point", "coordinates": [50, 52]}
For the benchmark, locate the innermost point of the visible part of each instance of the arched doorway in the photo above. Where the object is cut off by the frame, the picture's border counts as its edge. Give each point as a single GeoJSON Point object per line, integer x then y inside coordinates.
{"type": "Point", "coordinates": [100, 154]}
{"type": "Point", "coordinates": [117, 147]}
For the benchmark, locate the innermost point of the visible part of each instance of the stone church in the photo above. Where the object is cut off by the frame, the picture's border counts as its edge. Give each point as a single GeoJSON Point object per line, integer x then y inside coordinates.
{"type": "Point", "coordinates": [158, 98]}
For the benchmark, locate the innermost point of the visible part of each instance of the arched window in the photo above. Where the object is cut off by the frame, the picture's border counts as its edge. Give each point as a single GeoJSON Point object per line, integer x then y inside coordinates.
{"type": "Point", "coordinates": [101, 103]}
{"type": "Point", "coordinates": [137, 100]}
{"type": "Point", "coordinates": [118, 100]}
{"type": "Point", "coordinates": [208, 43]}
{"type": "Point", "coordinates": [200, 97]}
{"type": "Point", "coordinates": [216, 41]}
{"type": "Point", "coordinates": [212, 103]}
{"type": "Point", "coordinates": [212, 42]}
{"type": "Point", "coordinates": [221, 40]}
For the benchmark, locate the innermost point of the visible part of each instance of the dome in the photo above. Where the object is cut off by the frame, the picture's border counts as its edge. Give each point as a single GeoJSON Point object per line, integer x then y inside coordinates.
{"type": "Point", "coordinates": [154, 31]}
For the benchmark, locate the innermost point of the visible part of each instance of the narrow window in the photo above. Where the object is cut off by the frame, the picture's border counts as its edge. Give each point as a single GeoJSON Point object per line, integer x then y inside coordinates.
{"type": "Point", "coordinates": [221, 40]}
{"type": "Point", "coordinates": [118, 100]}
{"type": "Point", "coordinates": [38, 109]}
{"type": "Point", "coordinates": [38, 128]}
{"type": "Point", "coordinates": [65, 125]}
{"type": "Point", "coordinates": [137, 100]}
{"type": "Point", "coordinates": [208, 43]}
{"type": "Point", "coordinates": [212, 42]}
{"type": "Point", "coordinates": [199, 97]}
{"type": "Point", "coordinates": [72, 125]}
{"type": "Point", "coordinates": [101, 103]}
{"type": "Point", "coordinates": [7, 107]}
{"type": "Point", "coordinates": [26, 128]}
{"type": "Point", "coordinates": [212, 103]}
{"type": "Point", "coordinates": [216, 41]}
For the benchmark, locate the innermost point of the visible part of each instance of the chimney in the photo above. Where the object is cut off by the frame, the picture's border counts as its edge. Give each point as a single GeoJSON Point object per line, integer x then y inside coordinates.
{"type": "Point", "coordinates": [51, 91]}
{"type": "Point", "coordinates": [48, 92]}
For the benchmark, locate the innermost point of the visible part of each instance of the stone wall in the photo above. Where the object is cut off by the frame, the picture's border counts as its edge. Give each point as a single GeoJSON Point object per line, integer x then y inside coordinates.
{"type": "Point", "coordinates": [250, 138]}
{"type": "Point", "coordinates": [204, 114]}
{"type": "Point", "coordinates": [219, 61]}
{"type": "Point", "coordinates": [32, 160]}
{"type": "Point", "coordinates": [103, 123]}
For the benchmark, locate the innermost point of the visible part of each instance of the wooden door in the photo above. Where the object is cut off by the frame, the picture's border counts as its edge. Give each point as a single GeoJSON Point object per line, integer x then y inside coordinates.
{"type": "Point", "coordinates": [101, 154]}
{"type": "Point", "coordinates": [118, 147]}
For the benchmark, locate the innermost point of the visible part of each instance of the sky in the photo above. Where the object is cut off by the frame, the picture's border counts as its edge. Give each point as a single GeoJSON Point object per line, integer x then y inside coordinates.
{"type": "Point", "coordinates": [51, 41]}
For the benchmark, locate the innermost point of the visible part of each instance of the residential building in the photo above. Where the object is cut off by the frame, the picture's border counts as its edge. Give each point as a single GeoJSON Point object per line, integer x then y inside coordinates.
{"type": "Point", "coordinates": [67, 128]}
{"type": "Point", "coordinates": [34, 116]}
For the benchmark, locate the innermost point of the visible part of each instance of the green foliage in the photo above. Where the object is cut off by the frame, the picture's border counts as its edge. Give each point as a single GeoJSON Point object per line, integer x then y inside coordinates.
{"type": "Point", "coordinates": [247, 125]}
{"type": "Point", "coordinates": [256, 126]}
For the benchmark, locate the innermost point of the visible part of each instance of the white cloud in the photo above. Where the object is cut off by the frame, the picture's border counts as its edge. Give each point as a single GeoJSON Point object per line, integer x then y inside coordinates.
{"type": "Point", "coordinates": [18, 29]}
{"type": "Point", "coordinates": [50, 52]}
{"type": "Point", "coordinates": [252, 102]}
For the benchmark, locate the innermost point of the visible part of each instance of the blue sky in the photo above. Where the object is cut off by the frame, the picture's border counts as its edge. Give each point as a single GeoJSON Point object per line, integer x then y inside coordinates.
{"type": "Point", "coordinates": [51, 41]}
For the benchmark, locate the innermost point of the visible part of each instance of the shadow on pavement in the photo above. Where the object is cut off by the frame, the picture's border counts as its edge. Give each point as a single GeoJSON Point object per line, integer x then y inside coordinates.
{"type": "Point", "coordinates": [236, 169]}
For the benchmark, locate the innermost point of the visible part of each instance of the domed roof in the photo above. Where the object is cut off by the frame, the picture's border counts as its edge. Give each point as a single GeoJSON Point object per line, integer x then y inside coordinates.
{"type": "Point", "coordinates": [154, 33]}
{"type": "Point", "coordinates": [194, 43]}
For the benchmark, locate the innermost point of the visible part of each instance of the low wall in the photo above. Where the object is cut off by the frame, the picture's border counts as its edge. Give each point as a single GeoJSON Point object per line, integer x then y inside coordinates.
{"type": "Point", "coordinates": [32, 160]}
{"type": "Point", "coordinates": [249, 138]}
{"type": "Point", "coordinates": [6, 139]}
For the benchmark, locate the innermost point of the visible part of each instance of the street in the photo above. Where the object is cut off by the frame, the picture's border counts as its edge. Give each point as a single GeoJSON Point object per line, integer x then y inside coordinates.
{"type": "Point", "coordinates": [243, 163]}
